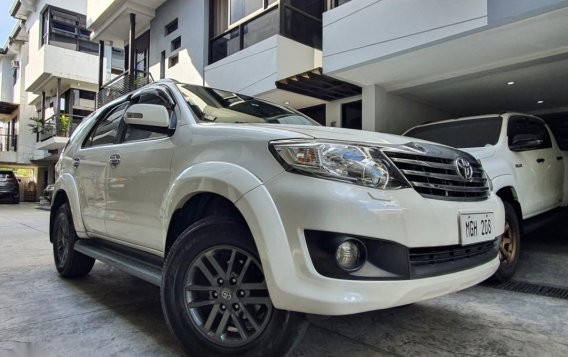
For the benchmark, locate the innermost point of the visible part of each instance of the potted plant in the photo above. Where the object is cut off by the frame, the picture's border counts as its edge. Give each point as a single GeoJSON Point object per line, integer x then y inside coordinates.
{"type": "Point", "coordinates": [64, 122]}
{"type": "Point", "coordinates": [36, 126]}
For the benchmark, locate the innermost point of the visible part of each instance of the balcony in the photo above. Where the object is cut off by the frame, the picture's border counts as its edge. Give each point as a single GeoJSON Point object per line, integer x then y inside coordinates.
{"type": "Point", "coordinates": [109, 20]}
{"type": "Point", "coordinates": [121, 85]}
{"type": "Point", "coordinates": [55, 131]}
{"type": "Point", "coordinates": [52, 62]}
{"type": "Point", "coordinates": [359, 33]}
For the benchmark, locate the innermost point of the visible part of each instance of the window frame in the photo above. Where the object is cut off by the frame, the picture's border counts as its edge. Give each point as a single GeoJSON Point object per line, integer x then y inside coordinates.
{"type": "Point", "coordinates": [75, 20]}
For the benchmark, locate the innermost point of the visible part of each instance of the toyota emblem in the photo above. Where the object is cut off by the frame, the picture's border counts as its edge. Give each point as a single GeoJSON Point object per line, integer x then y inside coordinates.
{"type": "Point", "coordinates": [464, 169]}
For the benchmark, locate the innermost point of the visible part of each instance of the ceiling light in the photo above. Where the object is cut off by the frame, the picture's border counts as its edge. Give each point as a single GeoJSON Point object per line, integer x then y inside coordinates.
{"type": "Point", "coordinates": [286, 103]}
{"type": "Point", "coordinates": [510, 83]}
{"type": "Point", "coordinates": [540, 101]}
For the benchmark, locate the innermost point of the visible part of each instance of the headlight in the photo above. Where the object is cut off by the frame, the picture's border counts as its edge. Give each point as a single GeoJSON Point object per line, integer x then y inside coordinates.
{"type": "Point", "coordinates": [358, 164]}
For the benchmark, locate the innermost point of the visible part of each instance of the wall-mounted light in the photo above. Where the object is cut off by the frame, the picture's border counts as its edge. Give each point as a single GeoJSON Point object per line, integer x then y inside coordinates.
{"type": "Point", "coordinates": [510, 83]}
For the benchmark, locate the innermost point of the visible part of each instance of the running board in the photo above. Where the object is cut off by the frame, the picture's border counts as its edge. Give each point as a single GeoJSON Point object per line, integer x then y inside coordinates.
{"type": "Point", "coordinates": [144, 270]}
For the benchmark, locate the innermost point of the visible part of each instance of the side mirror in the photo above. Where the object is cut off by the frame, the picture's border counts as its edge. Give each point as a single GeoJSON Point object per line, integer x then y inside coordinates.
{"type": "Point", "coordinates": [147, 114]}
{"type": "Point", "coordinates": [526, 144]}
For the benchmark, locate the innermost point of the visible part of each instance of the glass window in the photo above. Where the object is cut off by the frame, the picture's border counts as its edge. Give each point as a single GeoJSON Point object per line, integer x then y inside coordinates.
{"type": "Point", "coordinates": [218, 106]}
{"type": "Point", "coordinates": [260, 28]}
{"type": "Point", "coordinates": [176, 43]}
{"type": "Point", "coordinates": [525, 128]}
{"type": "Point", "coordinates": [461, 133]}
{"type": "Point", "coordinates": [105, 131]}
{"type": "Point", "coordinates": [171, 27]}
{"type": "Point", "coordinates": [311, 7]}
{"type": "Point", "coordinates": [66, 29]}
{"type": "Point", "coordinates": [242, 8]}
{"type": "Point", "coordinates": [225, 45]}
{"type": "Point", "coordinates": [302, 28]}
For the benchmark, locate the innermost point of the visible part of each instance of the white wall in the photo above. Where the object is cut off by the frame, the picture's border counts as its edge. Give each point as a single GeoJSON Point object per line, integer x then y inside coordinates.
{"type": "Point", "coordinates": [193, 28]}
{"type": "Point", "coordinates": [390, 113]}
{"type": "Point", "coordinates": [366, 30]}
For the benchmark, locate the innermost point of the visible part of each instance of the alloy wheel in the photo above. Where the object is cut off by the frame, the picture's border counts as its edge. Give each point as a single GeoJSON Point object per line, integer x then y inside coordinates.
{"type": "Point", "coordinates": [62, 241]}
{"type": "Point", "coordinates": [507, 246]}
{"type": "Point", "coordinates": [226, 296]}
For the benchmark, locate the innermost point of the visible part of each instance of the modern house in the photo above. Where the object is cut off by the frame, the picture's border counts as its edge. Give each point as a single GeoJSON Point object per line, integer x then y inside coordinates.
{"type": "Point", "coordinates": [366, 64]}
{"type": "Point", "coordinates": [58, 70]}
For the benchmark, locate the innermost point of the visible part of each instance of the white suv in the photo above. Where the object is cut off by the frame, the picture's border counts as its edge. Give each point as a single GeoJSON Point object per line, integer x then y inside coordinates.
{"type": "Point", "coordinates": [248, 214]}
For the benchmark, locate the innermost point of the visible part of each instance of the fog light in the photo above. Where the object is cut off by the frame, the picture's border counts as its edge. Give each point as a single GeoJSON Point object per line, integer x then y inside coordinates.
{"type": "Point", "coordinates": [349, 255]}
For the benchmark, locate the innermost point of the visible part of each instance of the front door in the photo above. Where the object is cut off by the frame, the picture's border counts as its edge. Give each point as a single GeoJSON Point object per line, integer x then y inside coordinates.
{"type": "Point", "coordinates": [139, 181]}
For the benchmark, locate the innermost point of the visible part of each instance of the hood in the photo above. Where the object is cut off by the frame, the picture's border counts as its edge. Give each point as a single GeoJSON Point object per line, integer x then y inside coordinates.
{"type": "Point", "coordinates": [330, 133]}
{"type": "Point", "coordinates": [482, 152]}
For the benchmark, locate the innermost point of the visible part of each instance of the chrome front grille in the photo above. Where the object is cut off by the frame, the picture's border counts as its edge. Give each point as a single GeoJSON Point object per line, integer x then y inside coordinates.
{"type": "Point", "coordinates": [438, 177]}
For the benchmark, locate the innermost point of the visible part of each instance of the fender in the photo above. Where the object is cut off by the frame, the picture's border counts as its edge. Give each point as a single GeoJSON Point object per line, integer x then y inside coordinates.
{"type": "Point", "coordinates": [225, 179]}
{"type": "Point", "coordinates": [65, 182]}
{"type": "Point", "coordinates": [502, 181]}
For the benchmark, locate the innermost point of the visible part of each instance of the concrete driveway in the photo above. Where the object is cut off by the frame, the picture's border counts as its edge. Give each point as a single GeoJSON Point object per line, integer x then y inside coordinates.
{"type": "Point", "coordinates": [110, 313]}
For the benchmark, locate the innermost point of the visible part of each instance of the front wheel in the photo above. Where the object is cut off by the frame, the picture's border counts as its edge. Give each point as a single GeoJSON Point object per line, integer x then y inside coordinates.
{"type": "Point", "coordinates": [215, 298]}
{"type": "Point", "coordinates": [510, 245]}
{"type": "Point", "coordinates": [68, 262]}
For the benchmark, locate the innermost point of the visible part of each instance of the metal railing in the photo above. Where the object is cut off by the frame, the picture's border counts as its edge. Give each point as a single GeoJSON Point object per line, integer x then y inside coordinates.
{"type": "Point", "coordinates": [8, 142]}
{"type": "Point", "coordinates": [54, 126]}
{"type": "Point", "coordinates": [121, 85]}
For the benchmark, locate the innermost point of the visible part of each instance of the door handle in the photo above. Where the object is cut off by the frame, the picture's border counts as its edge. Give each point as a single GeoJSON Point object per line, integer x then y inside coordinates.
{"type": "Point", "coordinates": [76, 162]}
{"type": "Point", "coordinates": [559, 158]}
{"type": "Point", "coordinates": [114, 160]}
{"type": "Point", "coordinates": [540, 161]}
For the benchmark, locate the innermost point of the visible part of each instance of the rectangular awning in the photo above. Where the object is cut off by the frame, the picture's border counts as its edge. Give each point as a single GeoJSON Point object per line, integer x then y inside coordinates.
{"type": "Point", "coordinates": [316, 84]}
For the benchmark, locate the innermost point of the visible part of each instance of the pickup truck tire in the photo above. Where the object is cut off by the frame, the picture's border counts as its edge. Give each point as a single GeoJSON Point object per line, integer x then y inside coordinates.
{"type": "Point", "coordinates": [510, 246]}
{"type": "Point", "coordinates": [214, 295]}
{"type": "Point", "coordinates": [69, 262]}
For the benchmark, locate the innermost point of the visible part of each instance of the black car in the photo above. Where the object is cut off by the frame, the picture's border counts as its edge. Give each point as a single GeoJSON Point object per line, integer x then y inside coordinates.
{"type": "Point", "coordinates": [9, 186]}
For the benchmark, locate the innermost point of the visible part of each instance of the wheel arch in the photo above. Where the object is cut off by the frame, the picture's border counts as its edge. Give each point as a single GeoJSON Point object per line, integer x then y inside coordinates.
{"type": "Point", "coordinates": [509, 194]}
{"type": "Point", "coordinates": [66, 192]}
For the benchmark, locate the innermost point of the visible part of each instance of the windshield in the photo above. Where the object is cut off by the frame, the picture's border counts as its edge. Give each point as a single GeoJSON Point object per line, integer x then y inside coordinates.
{"type": "Point", "coordinates": [461, 133]}
{"type": "Point", "coordinates": [219, 106]}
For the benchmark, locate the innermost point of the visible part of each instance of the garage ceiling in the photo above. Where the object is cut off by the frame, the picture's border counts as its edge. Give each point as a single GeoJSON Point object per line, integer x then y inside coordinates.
{"type": "Point", "coordinates": [489, 92]}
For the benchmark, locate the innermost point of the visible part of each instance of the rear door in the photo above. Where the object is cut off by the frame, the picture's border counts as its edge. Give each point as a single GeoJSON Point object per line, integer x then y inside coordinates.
{"type": "Point", "coordinates": [91, 169]}
{"type": "Point", "coordinates": [140, 178]}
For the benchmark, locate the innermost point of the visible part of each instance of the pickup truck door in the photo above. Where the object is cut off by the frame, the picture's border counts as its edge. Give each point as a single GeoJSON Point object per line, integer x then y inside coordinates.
{"type": "Point", "coordinates": [90, 165]}
{"type": "Point", "coordinates": [139, 179]}
{"type": "Point", "coordinates": [536, 168]}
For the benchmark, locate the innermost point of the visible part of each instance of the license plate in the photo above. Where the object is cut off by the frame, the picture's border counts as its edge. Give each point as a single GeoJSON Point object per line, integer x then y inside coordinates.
{"type": "Point", "coordinates": [476, 227]}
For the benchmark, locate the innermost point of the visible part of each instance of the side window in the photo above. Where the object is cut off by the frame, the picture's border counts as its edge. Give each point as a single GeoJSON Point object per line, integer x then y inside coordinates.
{"type": "Point", "coordinates": [524, 128]}
{"type": "Point", "coordinates": [105, 130]}
{"type": "Point", "coordinates": [139, 132]}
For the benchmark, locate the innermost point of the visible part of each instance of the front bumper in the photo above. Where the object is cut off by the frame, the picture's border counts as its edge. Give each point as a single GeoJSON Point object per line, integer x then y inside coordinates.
{"type": "Point", "coordinates": [290, 204]}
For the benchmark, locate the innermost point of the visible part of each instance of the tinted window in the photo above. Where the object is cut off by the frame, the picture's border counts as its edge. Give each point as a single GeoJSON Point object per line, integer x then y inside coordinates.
{"type": "Point", "coordinates": [461, 133]}
{"type": "Point", "coordinates": [524, 128]}
{"type": "Point", "coordinates": [105, 131]}
{"type": "Point", "coordinates": [4, 175]}
{"type": "Point", "coordinates": [214, 105]}
{"type": "Point", "coordinates": [138, 132]}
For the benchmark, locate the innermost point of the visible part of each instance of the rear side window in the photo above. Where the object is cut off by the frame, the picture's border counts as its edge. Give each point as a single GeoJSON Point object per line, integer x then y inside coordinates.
{"type": "Point", "coordinates": [525, 128]}
{"type": "Point", "coordinates": [461, 133]}
{"type": "Point", "coordinates": [105, 130]}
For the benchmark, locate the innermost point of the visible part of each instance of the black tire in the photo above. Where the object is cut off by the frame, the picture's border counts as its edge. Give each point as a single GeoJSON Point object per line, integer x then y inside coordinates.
{"type": "Point", "coordinates": [223, 240]}
{"type": "Point", "coordinates": [69, 262]}
{"type": "Point", "coordinates": [15, 199]}
{"type": "Point", "coordinates": [510, 246]}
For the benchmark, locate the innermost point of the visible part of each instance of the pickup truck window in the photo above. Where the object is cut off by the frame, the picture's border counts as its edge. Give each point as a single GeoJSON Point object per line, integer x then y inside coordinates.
{"type": "Point", "coordinates": [525, 128]}
{"type": "Point", "coordinates": [461, 133]}
{"type": "Point", "coordinates": [218, 106]}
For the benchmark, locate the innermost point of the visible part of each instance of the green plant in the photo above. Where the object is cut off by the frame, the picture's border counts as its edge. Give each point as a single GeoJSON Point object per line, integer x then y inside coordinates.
{"type": "Point", "coordinates": [64, 122]}
{"type": "Point", "coordinates": [36, 126]}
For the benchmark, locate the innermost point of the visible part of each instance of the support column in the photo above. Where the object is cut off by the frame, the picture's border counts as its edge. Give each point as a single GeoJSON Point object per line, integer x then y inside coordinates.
{"type": "Point", "coordinates": [101, 62]}
{"type": "Point", "coordinates": [58, 98]}
{"type": "Point", "coordinates": [131, 45]}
